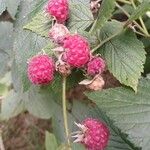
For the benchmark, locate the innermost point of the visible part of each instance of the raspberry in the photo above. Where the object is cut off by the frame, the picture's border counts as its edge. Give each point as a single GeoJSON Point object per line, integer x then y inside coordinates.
{"type": "Point", "coordinates": [58, 32]}
{"type": "Point", "coordinates": [77, 51]}
{"type": "Point", "coordinates": [94, 135]}
{"type": "Point", "coordinates": [41, 69]}
{"type": "Point", "coordinates": [59, 9]}
{"type": "Point", "coordinates": [95, 66]}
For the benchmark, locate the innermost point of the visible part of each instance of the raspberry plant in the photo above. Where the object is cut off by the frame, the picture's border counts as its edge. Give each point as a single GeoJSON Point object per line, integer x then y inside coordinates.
{"type": "Point", "coordinates": [53, 46]}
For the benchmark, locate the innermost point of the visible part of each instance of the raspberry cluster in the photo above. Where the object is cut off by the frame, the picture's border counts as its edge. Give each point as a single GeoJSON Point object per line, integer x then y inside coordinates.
{"type": "Point", "coordinates": [72, 51]}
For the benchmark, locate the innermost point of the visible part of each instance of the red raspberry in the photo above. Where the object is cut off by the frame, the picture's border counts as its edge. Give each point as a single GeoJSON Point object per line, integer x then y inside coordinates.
{"type": "Point", "coordinates": [58, 32]}
{"type": "Point", "coordinates": [95, 66]}
{"type": "Point", "coordinates": [58, 9]}
{"type": "Point", "coordinates": [41, 69]}
{"type": "Point", "coordinates": [77, 51]}
{"type": "Point", "coordinates": [94, 135]}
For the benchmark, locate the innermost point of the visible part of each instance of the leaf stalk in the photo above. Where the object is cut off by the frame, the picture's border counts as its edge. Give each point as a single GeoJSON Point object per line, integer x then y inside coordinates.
{"type": "Point", "coordinates": [124, 1]}
{"type": "Point", "coordinates": [128, 22]}
{"type": "Point", "coordinates": [1, 141]}
{"type": "Point", "coordinates": [140, 18]}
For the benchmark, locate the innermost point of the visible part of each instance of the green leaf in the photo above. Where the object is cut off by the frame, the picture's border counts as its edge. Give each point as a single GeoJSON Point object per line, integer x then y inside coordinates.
{"type": "Point", "coordinates": [12, 105]}
{"type": "Point", "coordinates": [81, 111]}
{"type": "Point", "coordinates": [148, 76]}
{"type": "Point", "coordinates": [92, 39]}
{"type": "Point", "coordinates": [16, 77]}
{"type": "Point", "coordinates": [140, 11]}
{"type": "Point", "coordinates": [27, 44]}
{"type": "Point", "coordinates": [4, 58]}
{"type": "Point", "coordinates": [58, 124]}
{"type": "Point", "coordinates": [86, 2]}
{"type": "Point", "coordinates": [63, 147]}
{"type": "Point", "coordinates": [40, 102]}
{"type": "Point", "coordinates": [50, 141]}
{"type": "Point", "coordinates": [2, 6]}
{"type": "Point", "coordinates": [6, 36]}
{"type": "Point", "coordinates": [146, 66]}
{"type": "Point", "coordinates": [80, 17]}
{"type": "Point", "coordinates": [77, 147]}
{"type": "Point", "coordinates": [72, 81]}
{"type": "Point", "coordinates": [40, 24]}
{"type": "Point", "coordinates": [5, 84]}
{"type": "Point", "coordinates": [124, 54]}
{"type": "Point", "coordinates": [48, 49]}
{"type": "Point", "coordinates": [105, 12]}
{"type": "Point", "coordinates": [130, 111]}
{"type": "Point", "coordinates": [118, 140]}
{"type": "Point", "coordinates": [7, 79]}
{"type": "Point", "coordinates": [38, 6]}
{"type": "Point", "coordinates": [74, 147]}
{"type": "Point", "coordinates": [6, 44]}
{"type": "Point", "coordinates": [11, 5]}
{"type": "Point", "coordinates": [28, 10]}
{"type": "Point", "coordinates": [3, 89]}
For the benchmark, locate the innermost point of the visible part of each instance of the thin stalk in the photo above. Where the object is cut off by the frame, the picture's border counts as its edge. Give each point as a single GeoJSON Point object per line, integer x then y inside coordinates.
{"type": "Point", "coordinates": [111, 37]}
{"type": "Point", "coordinates": [139, 33]}
{"type": "Point", "coordinates": [123, 10]}
{"type": "Point", "coordinates": [1, 141]}
{"type": "Point", "coordinates": [143, 25]}
{"type": "Point", "coordinates": [128, 15]}
{"type": "Point", "coordinates": [93, 26]}
{"type": "Point", "coordinates": [114, 35]}
{"type": "Point", "coordinates": [117, 33]}
{"type": "Point", "coordinates": [133, 4]}
{"type": "Point", "coordinates": [124, 1]}
{"type": "Point", "coordinates": [140, 18]}
{"type": "Point", "coordinates": [65, 111]}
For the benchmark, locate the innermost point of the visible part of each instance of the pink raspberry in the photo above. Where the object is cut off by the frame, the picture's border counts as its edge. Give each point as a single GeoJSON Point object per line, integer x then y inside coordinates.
{"type": "Point", "coordinates": [77, 51]}
{"type": "Point", "coordinates": [58, 32]}
{"type": "Point", "coordinates": [94, 135]}
{"type": "Point", "coordinates": [41, 69]}
{"type": "Point", "coordinates": [58, 9]}
{"type": "Point", "coordinates": [95, 66]}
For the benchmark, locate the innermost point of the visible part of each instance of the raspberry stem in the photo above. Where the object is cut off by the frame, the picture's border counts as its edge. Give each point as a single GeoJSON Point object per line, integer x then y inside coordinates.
{"type": "Point", "coordinates": [141, 20]}
{"type": "Point", "coordinates": [1, 141]}
{"type": "Point", "coordinates": [65, 111]}
{"type": "Point", "coordinates": [124, 1]}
